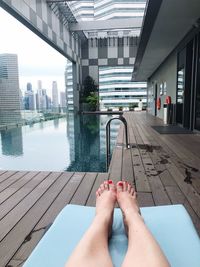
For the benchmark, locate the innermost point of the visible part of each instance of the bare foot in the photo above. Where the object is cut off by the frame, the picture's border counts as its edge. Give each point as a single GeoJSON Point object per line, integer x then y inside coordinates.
{"type": "Point", "coordinates": [126, 198]}
{"type": "Point", "coordinates": [105, 203]}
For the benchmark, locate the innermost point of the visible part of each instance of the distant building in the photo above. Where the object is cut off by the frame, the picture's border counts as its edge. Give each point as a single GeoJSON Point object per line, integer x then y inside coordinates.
{"type": "Point", "coordinates": [54, 95]}
{"type": "Point", "coordinates": [41, 97]}
{"type": "Point", "coordinates": [29, 100]}
{"type": "Point", "coordinates": [9, 89]}
{"type": "Point", "coordinates": [63, 100]}
{"type": "Point", "coordinates": [29, 87]}
{"type": "Point", "coordinates": [69, 86]}
{"type": "Point", "coordinates": [48, 102]}
{"type": "Point", "coordinates": [39, 84]}
{"type": "Point", "coordinates": [116, 89]}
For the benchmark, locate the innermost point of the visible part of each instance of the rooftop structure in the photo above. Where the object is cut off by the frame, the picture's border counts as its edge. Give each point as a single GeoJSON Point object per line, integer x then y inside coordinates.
{"type": "Point", "coordinates": [168, 56]}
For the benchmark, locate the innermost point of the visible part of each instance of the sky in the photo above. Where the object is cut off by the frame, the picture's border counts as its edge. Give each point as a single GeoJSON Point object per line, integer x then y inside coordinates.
{"type": "Point", "coordinates": [36, 59]}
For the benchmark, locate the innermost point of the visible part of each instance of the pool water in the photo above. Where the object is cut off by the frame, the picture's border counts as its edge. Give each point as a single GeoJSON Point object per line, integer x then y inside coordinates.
{"type": "Point", "coordinates": [74, 143]}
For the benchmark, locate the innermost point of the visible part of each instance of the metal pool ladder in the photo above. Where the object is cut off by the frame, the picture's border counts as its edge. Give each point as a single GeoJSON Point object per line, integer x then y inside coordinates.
{"type": "Point", "coordinates": [122, 119]}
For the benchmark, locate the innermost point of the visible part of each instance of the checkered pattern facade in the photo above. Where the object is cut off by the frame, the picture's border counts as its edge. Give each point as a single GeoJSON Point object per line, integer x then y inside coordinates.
{"type": "Point", "coordinates": [86, 57]}
{"type": "Point", "coordinates": [107, 52]}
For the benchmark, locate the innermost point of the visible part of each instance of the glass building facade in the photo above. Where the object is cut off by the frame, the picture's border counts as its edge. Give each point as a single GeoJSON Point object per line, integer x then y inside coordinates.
{"type": "Point", "coordinates": [69, 86]}
{"type": "Point", "coordinates": [115, 86]}
{"type": "Point", "coordinates": [9, 89]}
{"type": "Point", "coordinates": [116, 89]}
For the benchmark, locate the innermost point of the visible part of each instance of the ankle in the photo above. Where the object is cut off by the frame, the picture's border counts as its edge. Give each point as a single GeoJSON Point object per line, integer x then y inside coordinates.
{"type": "Point", "coordinates": [131, 215]}
{"type": "Point", "coordinates": [103, 217]}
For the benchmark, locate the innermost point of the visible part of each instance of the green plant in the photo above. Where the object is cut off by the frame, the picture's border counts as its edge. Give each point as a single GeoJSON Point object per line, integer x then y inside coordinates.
{"type": "Point", "coordinates": [89, 87]}
{"type": "Point", "coordinates": [120, 108]}
{"type": "Point", "coordinates": [132, 106]}
{"type": "Point", "coordinates": [92, 100]}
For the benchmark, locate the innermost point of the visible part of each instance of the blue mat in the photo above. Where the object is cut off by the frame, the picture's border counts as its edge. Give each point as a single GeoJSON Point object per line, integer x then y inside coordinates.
{"type": "Point", "coordinates": [170, 225]}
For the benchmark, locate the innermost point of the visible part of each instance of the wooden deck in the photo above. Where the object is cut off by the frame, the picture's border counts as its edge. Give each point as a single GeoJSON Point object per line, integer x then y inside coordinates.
{"type": "Point", "coordinates": [156, 164]}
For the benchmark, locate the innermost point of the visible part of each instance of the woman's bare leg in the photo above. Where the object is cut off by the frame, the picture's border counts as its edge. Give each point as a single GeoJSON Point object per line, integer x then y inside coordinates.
{"type": "Point", "coordinates": [92, 250]}
{"type": "Point", "coordinates": [143, 250]}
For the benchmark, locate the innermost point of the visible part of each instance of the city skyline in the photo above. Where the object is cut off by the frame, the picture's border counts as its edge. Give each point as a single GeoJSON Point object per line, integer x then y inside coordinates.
{"type": "Point", "coordinates": [37, 59]}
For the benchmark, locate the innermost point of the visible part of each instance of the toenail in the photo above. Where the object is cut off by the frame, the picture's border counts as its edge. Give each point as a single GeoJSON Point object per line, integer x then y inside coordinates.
{"type": "Point", "coordinates": [110, 181]}
{"type": "Point", "coordinates": [120, 183]}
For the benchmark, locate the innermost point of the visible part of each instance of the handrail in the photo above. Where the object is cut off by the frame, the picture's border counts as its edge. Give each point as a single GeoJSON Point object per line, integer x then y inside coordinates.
{"type": "Point", "coordinates": [122, 119]}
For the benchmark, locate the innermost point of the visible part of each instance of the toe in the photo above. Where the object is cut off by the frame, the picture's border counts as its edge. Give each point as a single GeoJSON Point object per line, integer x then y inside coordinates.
{"type": "Point", "coordinates": [102, 188]}
{"type": "Point", "coordinates": [111, 185]}
{"type": "Point", "coordinates": [106, 185]}
{"type": "Point", "coordinates": [120, 186]}
{"type": "Point", "coordinates": [129, 188]}
{"type": "Point", "coordinates": [132, 191]}
{"type": "Point", "coordinates": [126, 186]}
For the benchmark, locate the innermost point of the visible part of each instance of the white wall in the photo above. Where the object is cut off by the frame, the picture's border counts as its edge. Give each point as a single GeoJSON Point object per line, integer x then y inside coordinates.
{"type": "Point", "coordinates": [167, 73]}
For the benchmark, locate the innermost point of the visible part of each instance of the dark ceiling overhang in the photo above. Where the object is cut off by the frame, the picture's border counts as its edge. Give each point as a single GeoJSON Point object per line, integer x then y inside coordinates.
{"type": "Point", "coordinates": [165, 24]}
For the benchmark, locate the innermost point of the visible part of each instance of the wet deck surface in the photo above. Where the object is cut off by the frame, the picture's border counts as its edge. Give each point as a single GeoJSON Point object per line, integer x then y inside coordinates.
{"type": "Point", "coordinates": [164, 168]}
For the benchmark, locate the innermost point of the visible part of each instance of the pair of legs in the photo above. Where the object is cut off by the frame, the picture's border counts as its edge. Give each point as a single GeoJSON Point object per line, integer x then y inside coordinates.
{"type": "Point", "coordinates": [92, 250]}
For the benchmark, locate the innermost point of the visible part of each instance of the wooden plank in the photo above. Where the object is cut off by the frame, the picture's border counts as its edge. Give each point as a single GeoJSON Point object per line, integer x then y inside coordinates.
{"type": "Point", "coordinates": [2, 172]}
{"type": "Point", "coordinates": [127, 166]}
{"type": "Point", "coordinates": [101, 177]}
{"type": "Point", "coordinates": [132, 139]}
{"type": "Point", "coordinates": [9, 221]}
{"type": "Point", "coordinates": [9, 191]}
{"type": "Point", "coordinates": [159, 194]}
{"type": "Point", "coordinates": [71, 184]}
{"type": "Point", "coordinates": [167, 178]}
{"type": "Point", "coordinates": [115, 169]}
{"type": "Point", "coordinates": [192, 196]}
{"type": "Point", "coordinates": [11, 202]}
{"type": "Point", "coordinates": [165, 152]}
{"type": "Point", "coordinates": [145, 199]}
{"type": "Point", "coordinates": [11, 180]}
{"type": "Point", "coordinates": [141, 180]}
{"type": "Point", "coordinates": [159, 157]}
{"type": "Point", "coordinates": [26, 224]}
{"type": "Point", "coordinates": [6, 175]}
{"type": "Point", "coordinates": [81, 195]}
{"type": "Point", "coordinates": [62, 198]}
{"type": "Point", "coordinates": [15, 263]}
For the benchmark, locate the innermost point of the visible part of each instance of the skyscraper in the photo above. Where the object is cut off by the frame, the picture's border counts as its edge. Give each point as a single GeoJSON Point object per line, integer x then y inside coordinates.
{"type": "Point", "coordinates": [116, 89]}
{"type": "Point", "coordinates": [54, 95]}
{"type": "Point", "coordinates": [62, 99]}
{"type": "Point", "coordinates": [29, 87]}
{"type": "Point", "coordinates": [41, 97]}
{"type": "Point", "coordinates": [29, 98]}
{"type": "Point", "coordinates": [69, 86]}
{"type": "Point", "coordinates": [9, 89]}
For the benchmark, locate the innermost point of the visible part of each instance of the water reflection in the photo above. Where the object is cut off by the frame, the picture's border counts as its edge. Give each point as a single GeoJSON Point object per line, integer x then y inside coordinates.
{"type": "Point", "coordinates": [74, 143]}
{"type": "Point", "coordinates": [86, 135]}
{"type": "Point", "coordinates": [56, 123]}
{"type": "Point", "coordinates": [11, 142]}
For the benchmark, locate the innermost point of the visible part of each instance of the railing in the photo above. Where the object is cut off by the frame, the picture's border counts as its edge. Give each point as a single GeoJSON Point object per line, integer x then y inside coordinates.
{"type": "Point", "coordinates": [108, 154]}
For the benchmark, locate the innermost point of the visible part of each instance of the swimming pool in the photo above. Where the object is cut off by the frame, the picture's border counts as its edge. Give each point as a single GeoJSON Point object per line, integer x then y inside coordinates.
{"type": "Point", "coordinates": [74, 143]}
